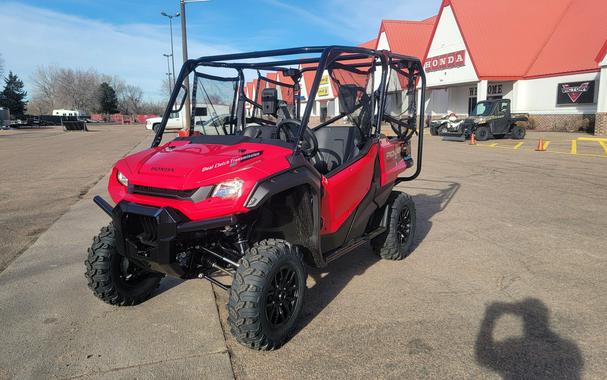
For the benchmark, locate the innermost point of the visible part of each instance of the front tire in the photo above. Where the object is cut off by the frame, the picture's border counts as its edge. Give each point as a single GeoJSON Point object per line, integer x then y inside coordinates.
{"type": "Point", "coordinates": [112, 277]}
{"type": "Point", "coordinates": [266, 296]}
{"type": "Point", "coordinates": [396, 242]}
{"type": "Point", "coordinates": [155, 128]}
{"type": "Point", "coordinates": [482, 133]}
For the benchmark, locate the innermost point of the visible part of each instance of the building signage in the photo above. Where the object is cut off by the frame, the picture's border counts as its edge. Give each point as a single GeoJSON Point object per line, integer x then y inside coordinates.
{"type": "Point", "coordinates": [445, 61]}
{"type": "Point", "coordinates": [324, 79]}
{"type": "Point", "coordinates": [575, 93]}
{"type": "Point", "coordinates": [495, 89]}
{"type": "Point", "coordinates": [323, 91]}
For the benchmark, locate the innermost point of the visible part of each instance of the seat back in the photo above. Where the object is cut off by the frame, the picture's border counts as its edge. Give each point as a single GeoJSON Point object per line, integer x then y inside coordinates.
{"type": "Point", "coordinates": [337, 146]}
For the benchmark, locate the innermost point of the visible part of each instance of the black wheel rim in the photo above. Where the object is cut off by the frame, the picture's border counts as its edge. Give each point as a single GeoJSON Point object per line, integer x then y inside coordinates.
{"type": "Point", "coordinates": [404, 225]}
{"type": "Point", "coordinates": [282, 296]}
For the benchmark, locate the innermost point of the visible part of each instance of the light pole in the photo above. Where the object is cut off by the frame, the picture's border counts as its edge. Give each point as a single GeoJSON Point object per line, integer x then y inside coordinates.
{"type": "Point", "coordinates": [169, 73]}
{"type": "Point", "coordinates": [184, 49]}
{"type": "Point", "coordinates": [170, 17]}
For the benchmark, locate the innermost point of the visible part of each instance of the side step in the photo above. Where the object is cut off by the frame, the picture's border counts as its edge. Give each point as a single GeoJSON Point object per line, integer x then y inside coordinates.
{"type": "Point", "coordinates": [339, 252]}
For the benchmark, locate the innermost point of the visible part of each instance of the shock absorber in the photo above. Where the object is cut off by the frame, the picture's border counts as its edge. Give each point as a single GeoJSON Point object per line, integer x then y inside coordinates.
{"type": "Point", "coordinates": [241, 238]}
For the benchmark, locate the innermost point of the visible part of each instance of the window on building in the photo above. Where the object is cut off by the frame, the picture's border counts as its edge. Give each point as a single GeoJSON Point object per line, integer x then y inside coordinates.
{"type": "Point", "coordinates": [471, 104]}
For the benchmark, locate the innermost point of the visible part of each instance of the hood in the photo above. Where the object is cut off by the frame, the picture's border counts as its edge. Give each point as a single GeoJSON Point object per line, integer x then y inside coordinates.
{"type": "Point", "coordinates": [184, 165]}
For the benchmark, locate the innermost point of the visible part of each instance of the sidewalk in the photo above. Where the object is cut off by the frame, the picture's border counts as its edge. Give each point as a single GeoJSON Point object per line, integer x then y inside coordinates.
{"type": "Point", "coordinates": [53, 326]}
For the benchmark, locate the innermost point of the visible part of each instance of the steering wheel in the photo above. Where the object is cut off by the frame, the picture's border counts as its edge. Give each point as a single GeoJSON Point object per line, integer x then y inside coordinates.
{"type": "Point", "coordinates": [289, 128]}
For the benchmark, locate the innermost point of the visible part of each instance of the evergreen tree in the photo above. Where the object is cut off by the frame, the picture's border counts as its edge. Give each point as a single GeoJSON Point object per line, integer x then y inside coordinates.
{"type": "Point", "coordinates": [13, 95]}
{"type": "Point", "coordinates": [108, 101]}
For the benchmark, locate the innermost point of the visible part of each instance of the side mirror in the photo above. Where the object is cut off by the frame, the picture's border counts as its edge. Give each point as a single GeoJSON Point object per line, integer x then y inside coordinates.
{"type": "Point", "coordinates": [181, 96]}
{"type": "Point", "coordinates": [269, 101]}
{"type": "Point", "coordinates": [348, 93]}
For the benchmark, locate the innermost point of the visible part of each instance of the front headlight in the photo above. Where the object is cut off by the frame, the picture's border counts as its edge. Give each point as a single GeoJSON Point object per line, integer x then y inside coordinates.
{"type": "Point", "coordinates": [229, 189]}
{"type": "Point", "coordinates": [122, 179]}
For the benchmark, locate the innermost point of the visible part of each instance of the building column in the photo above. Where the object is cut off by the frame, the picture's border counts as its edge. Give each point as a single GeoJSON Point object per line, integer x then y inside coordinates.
{"type": "Point", "coordinates": [481, 90]}
{"type": "Point", "coordinates": [600, 124]}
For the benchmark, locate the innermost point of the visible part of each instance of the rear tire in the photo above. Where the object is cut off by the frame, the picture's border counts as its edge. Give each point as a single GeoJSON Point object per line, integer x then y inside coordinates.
{"type": "Point", "coordinates": [433, 131]}
{"type": "Point", "coordinates": [518, 132]}
{"type": "Point", "coordinates": [114, 279]}
{"type": "Point", "coordinates": [396, 242]}
{"type": "Point", "coordinates": [266, 296]}
{"type": "Point", "coordinates": [482, 133]}
{"type": "Point", "coordinates": [155, 128]}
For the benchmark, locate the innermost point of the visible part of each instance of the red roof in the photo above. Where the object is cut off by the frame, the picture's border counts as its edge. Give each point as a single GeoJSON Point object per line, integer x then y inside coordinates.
{"type": "Point", "coordinates": [371, 44]}
{"type": "Point", "coordinates": [408, 37]}
{"type": "Point", "coordinates": [521, 38]}
{"type": "Point", "coordinates": [599, 58]}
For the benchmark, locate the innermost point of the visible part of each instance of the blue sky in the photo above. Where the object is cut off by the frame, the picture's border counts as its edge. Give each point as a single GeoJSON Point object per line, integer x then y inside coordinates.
{"type": "Point", "coordinates": [127, 37]}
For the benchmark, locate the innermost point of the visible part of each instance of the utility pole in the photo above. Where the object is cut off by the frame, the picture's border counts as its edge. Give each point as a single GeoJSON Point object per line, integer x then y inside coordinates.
{"type": "Point", "coordinates": [184, 49]}
{"type": "Point", "coordinates": [169, 73]}
{"type": "Point", "coordinates": [170, 17]}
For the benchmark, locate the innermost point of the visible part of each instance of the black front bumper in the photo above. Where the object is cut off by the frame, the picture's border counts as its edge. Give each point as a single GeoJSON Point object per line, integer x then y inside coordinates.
{"type": "Point", "coordinates": [150, 234]}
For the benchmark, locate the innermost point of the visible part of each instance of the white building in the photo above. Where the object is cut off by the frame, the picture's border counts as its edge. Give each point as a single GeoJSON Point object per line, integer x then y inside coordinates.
{"type": "Point", "coordinates": [540, 54]}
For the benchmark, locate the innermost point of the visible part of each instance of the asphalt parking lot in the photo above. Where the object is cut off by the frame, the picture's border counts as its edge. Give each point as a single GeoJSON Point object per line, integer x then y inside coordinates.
{"type": "Point", "coordinates": [44, 171]}
{"type": "Point", "coordinates": [506, 280]}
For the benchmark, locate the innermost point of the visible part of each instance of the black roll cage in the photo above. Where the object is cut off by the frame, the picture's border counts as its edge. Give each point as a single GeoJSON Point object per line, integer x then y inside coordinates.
{"type": "Point", "coordinates": [328, 54]}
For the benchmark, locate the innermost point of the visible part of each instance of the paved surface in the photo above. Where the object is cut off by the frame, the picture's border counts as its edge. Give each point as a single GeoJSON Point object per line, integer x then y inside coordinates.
{"type": "Point", "coordinates": [44, 171]}
{"type": "Point", "coordinates": [507, 280]}
{"type": "Point", "coordinates": [53, 327]}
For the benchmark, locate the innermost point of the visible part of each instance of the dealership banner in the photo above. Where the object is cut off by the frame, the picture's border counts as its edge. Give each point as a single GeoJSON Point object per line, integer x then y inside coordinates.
{"type": "Point", "coordinates": [575, 93]}
{"type": "Point", "coordinates": [445, 61]}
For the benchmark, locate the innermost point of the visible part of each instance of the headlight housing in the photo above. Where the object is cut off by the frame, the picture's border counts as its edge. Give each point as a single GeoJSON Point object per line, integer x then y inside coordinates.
{"type": "Point", "coordinates": [122, 179]}
{"type": "Point", "coordinates": [231, 189]}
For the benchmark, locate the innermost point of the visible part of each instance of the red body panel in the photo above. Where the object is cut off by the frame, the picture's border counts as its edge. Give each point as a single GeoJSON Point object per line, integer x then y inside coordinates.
{"type": "Point", "coordinates": [344, 191]}
{"type": "Point", "coordinates": [181, 165]}
{"type": "Point", "coordinates": [391, 161]}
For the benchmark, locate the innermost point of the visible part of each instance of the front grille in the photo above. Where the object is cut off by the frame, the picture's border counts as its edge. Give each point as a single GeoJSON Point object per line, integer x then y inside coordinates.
{"type": "Point", "coordinates": [159, 192]}
{"type": "Point", "coordinates": [141, 228]}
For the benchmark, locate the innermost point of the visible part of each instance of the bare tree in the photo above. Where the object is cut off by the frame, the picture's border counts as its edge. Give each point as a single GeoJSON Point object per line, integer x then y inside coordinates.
{"type": "Point", "coordinates": [56, 87]}
{"type": "Point", "coordinates": [133, 99]}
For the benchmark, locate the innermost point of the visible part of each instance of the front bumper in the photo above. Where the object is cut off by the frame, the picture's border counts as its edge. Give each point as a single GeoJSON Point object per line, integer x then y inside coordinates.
{"type": "Point", "coordinates": [150, 234]}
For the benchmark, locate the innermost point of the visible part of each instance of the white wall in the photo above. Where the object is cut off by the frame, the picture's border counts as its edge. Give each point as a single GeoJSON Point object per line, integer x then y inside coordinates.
{"type": "Point", "coordinates": [448, 39]}
{"type": "Point", "coordinates": [538, 96]}
{"type": "Point", "coordinates": [458, 100]}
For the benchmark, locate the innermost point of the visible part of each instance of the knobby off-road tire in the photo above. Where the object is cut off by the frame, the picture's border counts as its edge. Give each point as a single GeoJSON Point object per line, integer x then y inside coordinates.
{"type": "Point", "coordinates": [518, 132]}
{"type": "Point", "coordinates": [112, 278]}
{"type": "Point", "coordinates": [266, 296]}
{"type": "Point", "coordinates": [396, 242]}
{"type": "Point", "coordinates": [482, 133]}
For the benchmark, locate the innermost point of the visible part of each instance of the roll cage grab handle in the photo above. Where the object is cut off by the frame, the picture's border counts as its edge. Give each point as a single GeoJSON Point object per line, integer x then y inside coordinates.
{"type": "Point", "coordinates": [328, 54]}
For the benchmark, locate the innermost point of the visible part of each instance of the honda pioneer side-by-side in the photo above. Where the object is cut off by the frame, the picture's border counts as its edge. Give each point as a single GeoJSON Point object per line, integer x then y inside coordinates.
{"type": "Point", "coordinates": [269, 188]}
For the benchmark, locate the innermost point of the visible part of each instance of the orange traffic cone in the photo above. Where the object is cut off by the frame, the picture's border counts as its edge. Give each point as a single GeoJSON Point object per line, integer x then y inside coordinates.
{"type": "Point", "coordinates": [540, 145]}
{"type": "Point", "coordinates": [472, 139]}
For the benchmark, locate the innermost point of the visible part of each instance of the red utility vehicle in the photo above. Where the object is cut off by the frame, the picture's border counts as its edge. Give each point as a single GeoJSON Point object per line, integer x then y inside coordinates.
{"type": "Point", "coordinates": [245, 201]}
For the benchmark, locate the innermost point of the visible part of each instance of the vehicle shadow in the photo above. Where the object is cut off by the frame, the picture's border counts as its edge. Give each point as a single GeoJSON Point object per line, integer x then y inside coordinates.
{"type": "Point", "coordinates": [539, 354]}
{"type": "Point", "coordinates": [431, 197]}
